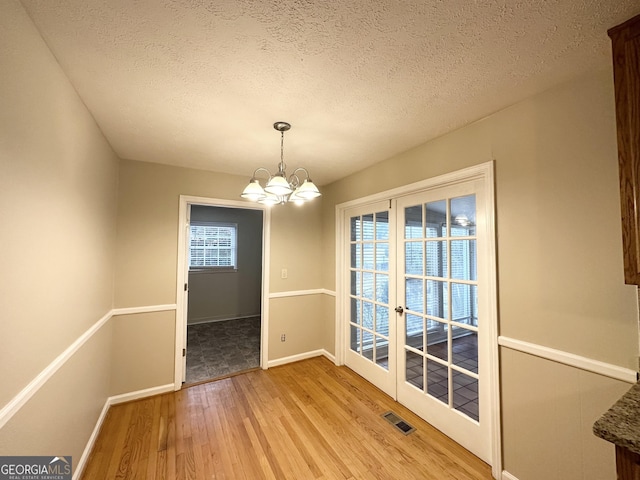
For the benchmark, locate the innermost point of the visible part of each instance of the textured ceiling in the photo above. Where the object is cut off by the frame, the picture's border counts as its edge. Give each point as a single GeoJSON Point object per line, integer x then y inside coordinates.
{"type": "Point", "coordinates": [199, 83]}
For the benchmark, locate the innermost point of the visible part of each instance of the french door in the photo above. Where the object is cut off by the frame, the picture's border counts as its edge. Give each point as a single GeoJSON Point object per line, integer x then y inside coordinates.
{"type": "Point", "coordinates": [417, 303]}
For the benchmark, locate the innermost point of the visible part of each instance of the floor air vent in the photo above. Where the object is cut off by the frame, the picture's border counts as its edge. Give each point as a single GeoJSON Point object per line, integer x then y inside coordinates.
{"type": "Point", "coordinates": [397, 422]}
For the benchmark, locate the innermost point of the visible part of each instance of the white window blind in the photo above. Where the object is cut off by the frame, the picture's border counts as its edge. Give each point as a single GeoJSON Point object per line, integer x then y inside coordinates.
{"type": "Point", "coordinates": [213, 245]}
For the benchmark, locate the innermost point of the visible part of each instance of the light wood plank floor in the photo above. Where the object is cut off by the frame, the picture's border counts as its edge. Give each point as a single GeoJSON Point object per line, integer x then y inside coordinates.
{"type": "Point", "coordinates": [306, 420]}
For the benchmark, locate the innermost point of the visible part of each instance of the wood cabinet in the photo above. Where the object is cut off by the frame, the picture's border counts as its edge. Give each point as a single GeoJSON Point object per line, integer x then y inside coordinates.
{"type": "Point", "coordinates": [627, 464]}
{"type": "Point", "coordinates": [625, 39]}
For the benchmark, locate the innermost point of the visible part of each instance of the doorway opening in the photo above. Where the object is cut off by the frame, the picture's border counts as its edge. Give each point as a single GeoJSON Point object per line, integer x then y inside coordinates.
{"type": "Point", "coordinates": [220, 321]}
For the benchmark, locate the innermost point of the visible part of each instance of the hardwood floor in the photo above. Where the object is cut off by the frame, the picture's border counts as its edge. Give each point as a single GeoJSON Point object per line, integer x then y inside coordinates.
{"type": "Point", "coordinates": [306, 420]}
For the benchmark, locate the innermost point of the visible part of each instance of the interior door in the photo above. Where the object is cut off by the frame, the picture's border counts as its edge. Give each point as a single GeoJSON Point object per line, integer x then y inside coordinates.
{"type": "Point", "coordinates": [371, 332]}
{"type": "Point", "coordinates": [442, 347]}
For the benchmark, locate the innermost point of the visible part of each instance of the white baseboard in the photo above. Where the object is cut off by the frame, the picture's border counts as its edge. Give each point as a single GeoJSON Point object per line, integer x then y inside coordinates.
{"type": "Point", "coordinates": [300, 293]}
{"type": "Point", "coordinates": [198, 321]}
{"type": "Point", "coordinates": [330, 356]}
{"type": "Point", "coordinates": [147, 392]}
{"type": "Point", "coordinates": [507, 476]}
{"type": "Point", "coordinates": [92, 441]}
{"type": "Point", "coordinates": [300, 356]}
{"type": "Point", "coordinates": [114, 400]}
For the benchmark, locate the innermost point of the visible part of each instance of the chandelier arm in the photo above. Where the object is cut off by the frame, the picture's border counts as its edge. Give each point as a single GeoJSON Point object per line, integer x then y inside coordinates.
{"type": "Point", "coordinates": [261, 169]}
{"type": "Point", "coordinates": [294, 180]}
{"type": "Point", "coordinates": [306, 172]}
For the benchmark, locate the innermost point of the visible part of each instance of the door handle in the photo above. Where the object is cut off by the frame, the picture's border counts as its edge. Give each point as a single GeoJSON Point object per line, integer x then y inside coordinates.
{"type": "Point", "coordinates": [399, 309]}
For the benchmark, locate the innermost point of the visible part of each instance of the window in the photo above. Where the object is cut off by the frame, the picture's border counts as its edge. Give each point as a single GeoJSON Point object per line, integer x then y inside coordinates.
{"type": "Point", "coordinates": [213, 245]}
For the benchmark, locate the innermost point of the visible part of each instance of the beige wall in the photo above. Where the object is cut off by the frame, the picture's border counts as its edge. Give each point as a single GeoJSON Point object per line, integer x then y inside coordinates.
{"type": "Point", "coordinates": [560, 281]}
{"type": "Point", "coordinates": [548, 412]}
{"type": "Point", "coordinates": [59, 419]}
{"type": "Point", "coordinates": [147, 245]}
{"type": "Point", "coordinates": [142, 351]}
{"type": "Point", "coordinates": [300, 320]}
{"type": "Point", "coordinates": [58, 181]}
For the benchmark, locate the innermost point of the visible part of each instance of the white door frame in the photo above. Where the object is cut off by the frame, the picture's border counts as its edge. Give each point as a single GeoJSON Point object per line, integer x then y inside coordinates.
{"type": "Point", "coordinates": [485, 173]}
{"type": "Point", "coordinates": [181, 276]}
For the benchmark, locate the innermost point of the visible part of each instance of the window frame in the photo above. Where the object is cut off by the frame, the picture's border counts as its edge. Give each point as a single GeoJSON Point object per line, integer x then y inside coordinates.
{"type": "Point", "coordinates": [233, 249]}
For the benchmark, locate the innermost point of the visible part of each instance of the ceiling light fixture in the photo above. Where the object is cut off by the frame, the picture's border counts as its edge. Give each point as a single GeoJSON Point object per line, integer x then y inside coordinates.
{"type": "Point", "coordinates": [279, 188]}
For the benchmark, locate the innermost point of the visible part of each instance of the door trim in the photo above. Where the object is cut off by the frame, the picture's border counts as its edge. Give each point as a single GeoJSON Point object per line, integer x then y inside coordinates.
{"type": "Point", "coordinates": [181, 318]}
{"type": "Point", "coordinates": [485, 173]}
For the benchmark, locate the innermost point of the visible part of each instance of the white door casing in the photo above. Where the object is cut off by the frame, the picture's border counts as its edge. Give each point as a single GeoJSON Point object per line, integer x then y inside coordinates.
{"type": "Point", "coordinates": [182, 277]}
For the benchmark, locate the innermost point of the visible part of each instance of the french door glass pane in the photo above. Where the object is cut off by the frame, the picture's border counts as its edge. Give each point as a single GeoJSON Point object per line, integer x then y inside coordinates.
{"type": "Point", "coordinates": [464, 303]}
{"type": "Point", "coordinates": [414, 334]}
{"type": "Point", "coordinates": [465, 349]}
{"type": "Point", "coordinates": [382, 287]}
{"type": "Point", "coordinates": [367, 315]}
{"type": "Point", "coordinates": [413, 258]}
{"type": "Point", "coordinates": [356, 255]}
{"type": "Point", "coordinates": [438, 381]}
{"type": "Point", "coordinates": [437, 259]}
{"type": "Point", "coordinates": [437, 299]}
{"type": "Point", "coordinates": [414, 295]}
{"type": "Point", "coordinates": [413, 222]}
{"type": "Point", "coordinates": [367, 255]}
{"type": "Point", "coordinates": [463, 216]}
{"type": "Point", "coordinates": [465, 394]}
{"type": "Point", "coordinates": [438, 340]}
{"type": "Point", "coordinates": [382, 257]}
{"type": "Point", "coordinates": [382, 352]}
{"type": "Point", "coordinates": [355, 282]}
{"type": "Point", "coordinates": [436, 219]}
{"type": "Point", "coordinates": [463, 259]}
{"type": "Point", "coordinates": [367, 227]}
{"type": "Point", "coordinates": [356, 311]}
{"type": "Point", "coordinates": [382, 226]}
{"type": "Point", "coordinates": [355, 339]}
{"type": "Point", "coordinates": [367, 285]}
{"type": "Point", "coordinates": [414, 369]}
{"type": "Point", "coordinates": [382, 320]}
{"type": "Point", "coordinates": [367, 345]}
{"type": "Point", "coordinates": [356, 233]}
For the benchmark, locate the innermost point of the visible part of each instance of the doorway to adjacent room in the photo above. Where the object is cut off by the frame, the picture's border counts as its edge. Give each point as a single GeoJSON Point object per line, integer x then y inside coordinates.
{"type": "Point", "coordinates": [222, 303]}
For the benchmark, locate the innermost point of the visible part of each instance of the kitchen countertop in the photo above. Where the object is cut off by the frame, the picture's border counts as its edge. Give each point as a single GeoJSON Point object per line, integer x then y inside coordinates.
{"type": "Point", "coordinates": [621, 423]}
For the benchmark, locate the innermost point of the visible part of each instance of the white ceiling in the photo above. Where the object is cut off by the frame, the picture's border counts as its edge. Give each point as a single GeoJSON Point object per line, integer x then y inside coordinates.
{"type": "Point", "coordinates": [199, 83]}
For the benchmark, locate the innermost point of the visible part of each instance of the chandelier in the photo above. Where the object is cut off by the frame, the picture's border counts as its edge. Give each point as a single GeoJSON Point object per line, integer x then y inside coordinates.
{"type": "Point", "coordinates": [297, 188]}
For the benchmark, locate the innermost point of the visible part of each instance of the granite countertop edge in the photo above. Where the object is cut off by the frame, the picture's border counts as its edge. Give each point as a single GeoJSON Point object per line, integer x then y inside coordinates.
{"type": "Point", "coordinates": [620, 425]}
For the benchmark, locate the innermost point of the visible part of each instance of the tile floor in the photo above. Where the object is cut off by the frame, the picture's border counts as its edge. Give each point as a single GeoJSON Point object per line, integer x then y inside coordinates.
{"type": "Point", "coordinates": [217, 349]}
{"type": "Point", "coordinates": [465, 387]}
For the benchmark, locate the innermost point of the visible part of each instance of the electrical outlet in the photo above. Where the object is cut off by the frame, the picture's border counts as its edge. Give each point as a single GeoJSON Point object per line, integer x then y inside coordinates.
{"type": "Point", "coordinates": [283, 337]}
{"type": "Point", "coordinates": [284, 273]}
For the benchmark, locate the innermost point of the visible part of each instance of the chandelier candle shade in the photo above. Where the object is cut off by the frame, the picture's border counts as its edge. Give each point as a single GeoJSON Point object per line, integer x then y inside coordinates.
{"type": "Point", "coordinates": [297, 188]}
